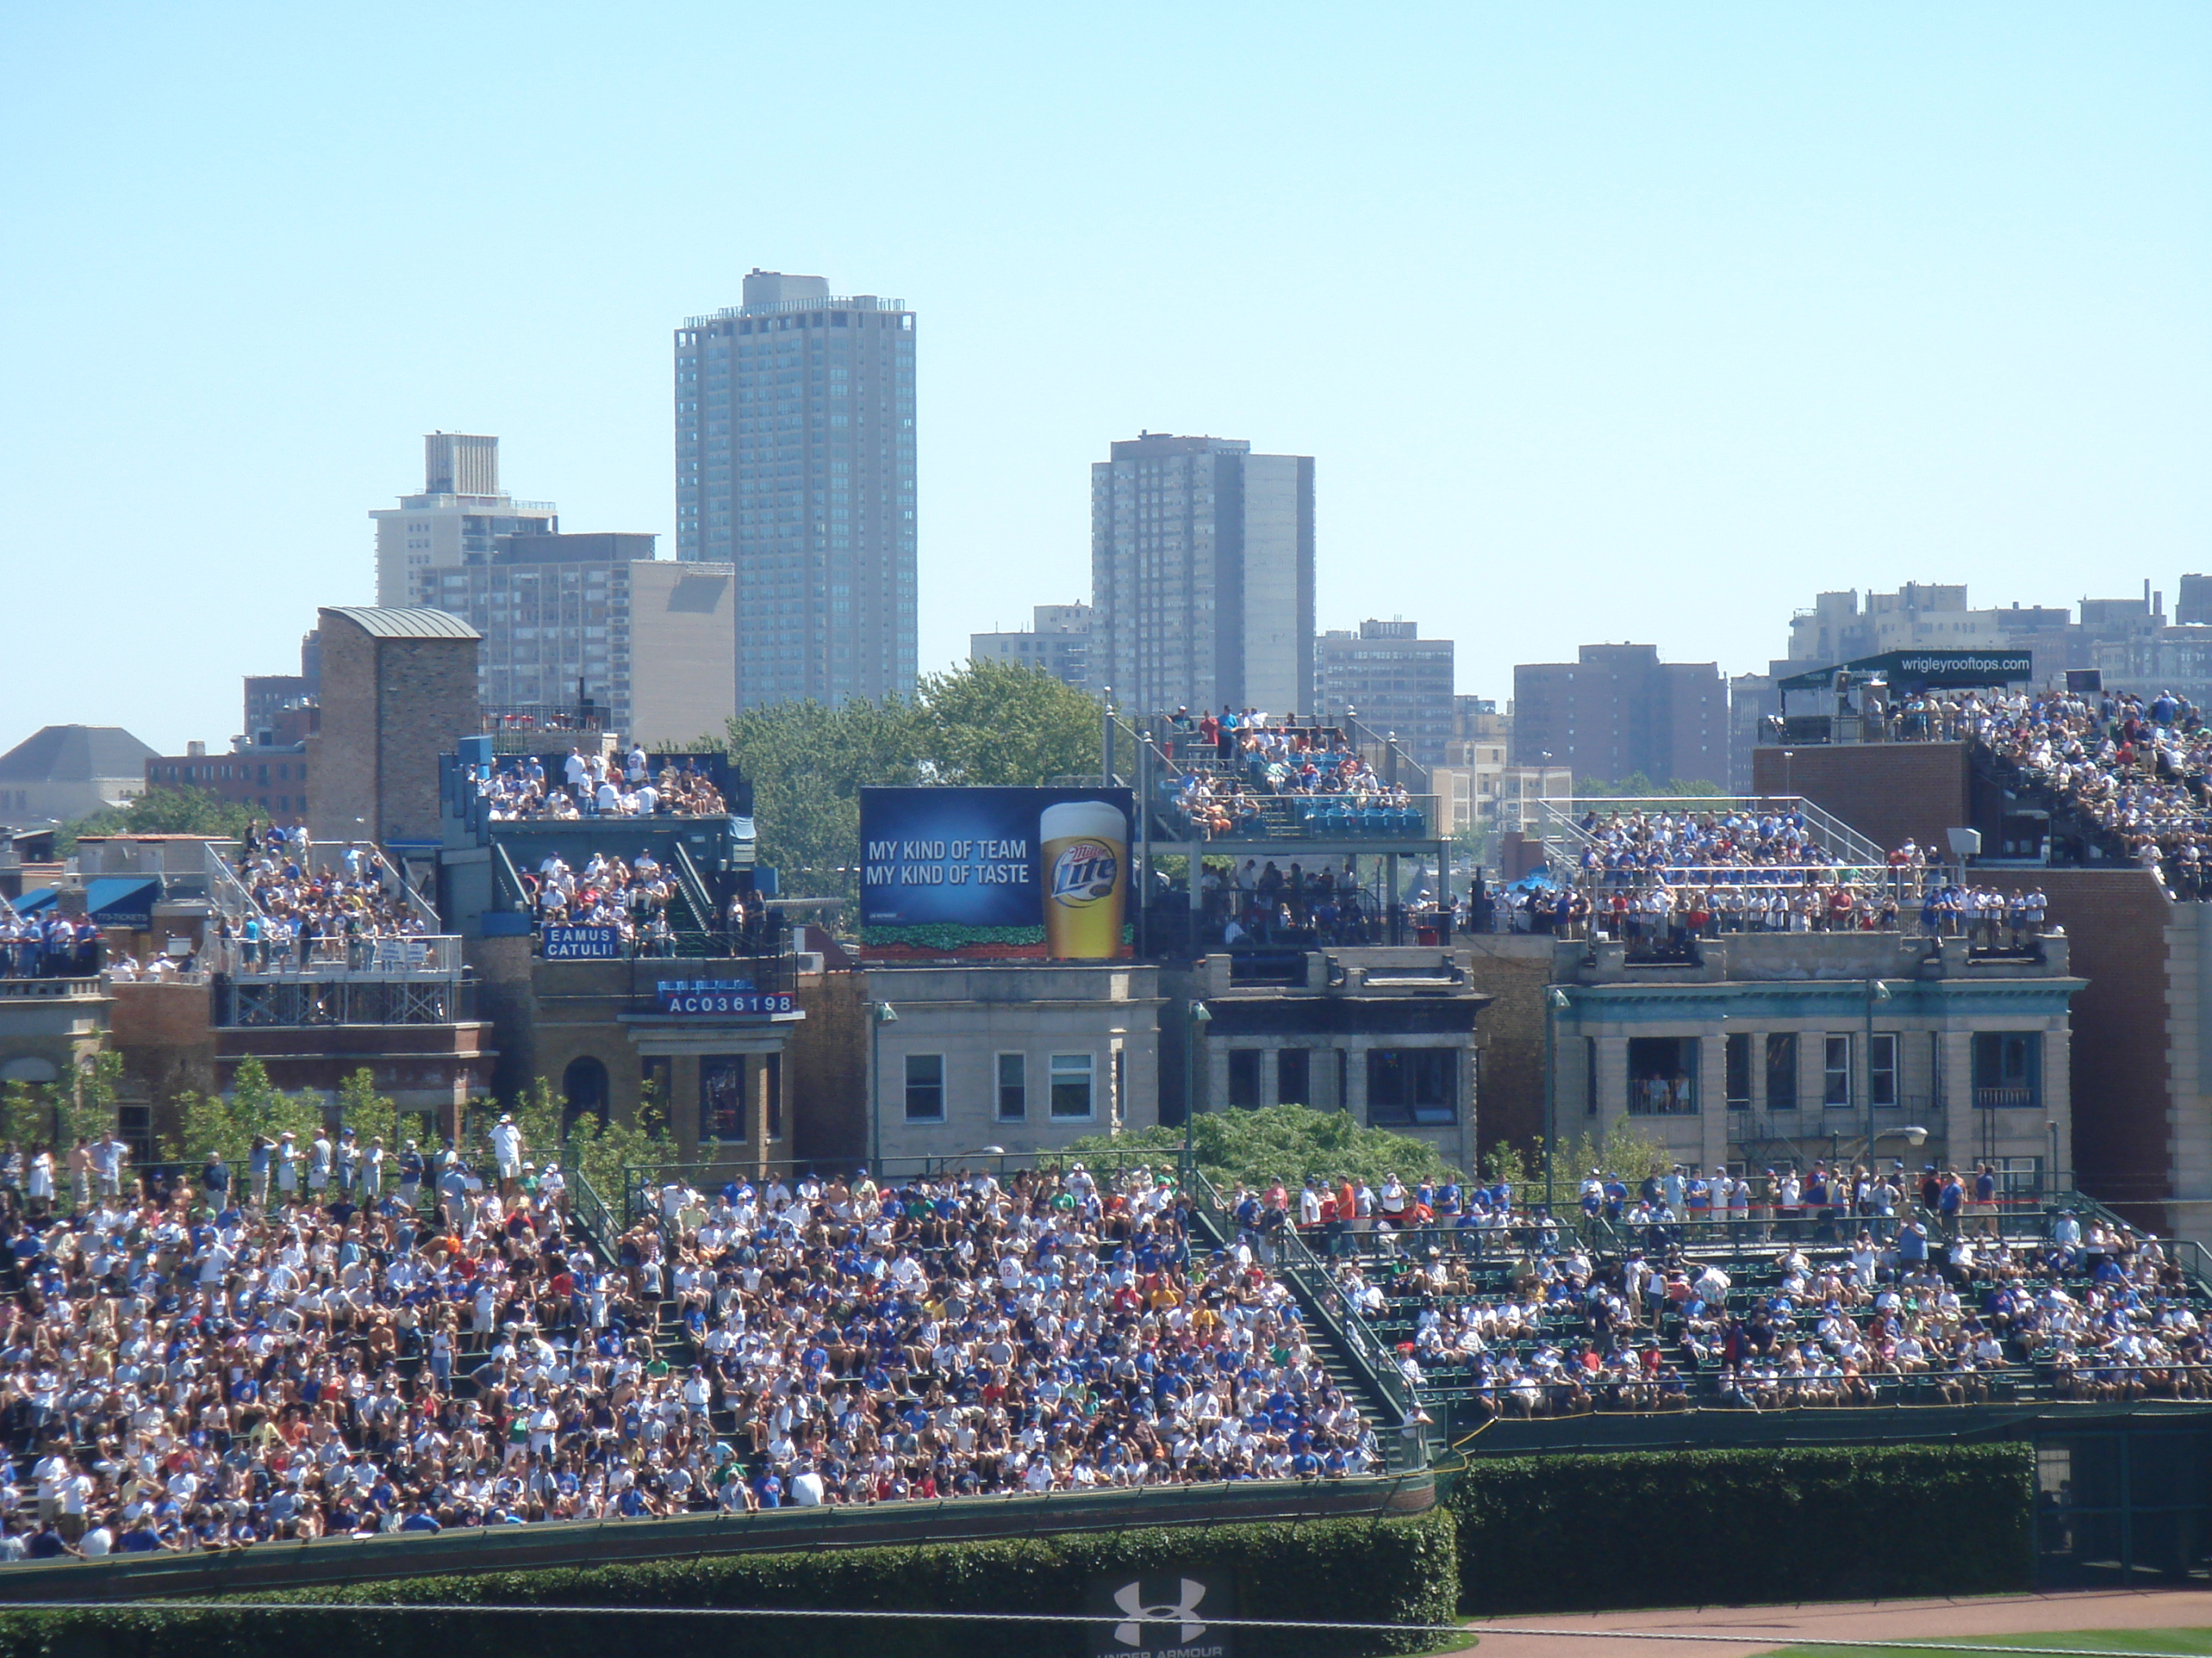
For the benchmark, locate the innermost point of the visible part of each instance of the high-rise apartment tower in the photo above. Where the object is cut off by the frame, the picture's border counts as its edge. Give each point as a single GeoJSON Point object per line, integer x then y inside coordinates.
{"type": "Point", "coordinates": [1397, 683]}
{"type": "Point", "coordinates": [1202, 576]}
{"type": "Point", "coordinates": [451, 524]}
{"type": "Point", "coordinates": [794, 464]}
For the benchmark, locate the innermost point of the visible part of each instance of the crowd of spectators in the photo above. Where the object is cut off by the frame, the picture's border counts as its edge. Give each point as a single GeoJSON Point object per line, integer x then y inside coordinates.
{"type": "Point", "coordinates": [50, 945]}
{"type": "Point", "coordinates": [638, 897]}
{"type": "Point", "coordinates": [596, 785]}
{"type": "Point", "coordinates": [312, 906]}
{"type": "Point", "coordinates": [1830, 1289]}
{"type": "Point", "coordinates": [1230, 768]}
{"type": "Point", "coordinates": [340, 1340]}
{"type": "Point", "coordinates": [1255, 904]}
{"type": "Point", "coordinates": [1660, 880]}
{"type": "Point", "coordinates": [633, 897]}
{"type": "Point", "coordinates": [2133, 768]}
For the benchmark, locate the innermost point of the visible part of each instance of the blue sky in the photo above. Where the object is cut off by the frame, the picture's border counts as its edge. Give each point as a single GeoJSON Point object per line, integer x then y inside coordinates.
{"type": "Point", "coordinates": [1602, 322]}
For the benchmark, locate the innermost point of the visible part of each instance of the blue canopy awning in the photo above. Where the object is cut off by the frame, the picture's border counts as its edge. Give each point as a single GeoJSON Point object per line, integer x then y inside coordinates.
{"type": "Point", "coordinates": [36, 899]}
{"type": "Point", "coordinates": [121, 901]}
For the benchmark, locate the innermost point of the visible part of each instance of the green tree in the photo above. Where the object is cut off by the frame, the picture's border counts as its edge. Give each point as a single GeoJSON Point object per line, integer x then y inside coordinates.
{"type": "Point", "coordinates": [538, 1114]}
{"type": "Point", "coordinates": [1283, 1143]}
{"type": "Point", "coordinates": [255, 1106]}
{"type": "Point", "coordinates": [1636, 784]}
{"type": "Point", "coordinates": [1622, 1150]}
{"type": "Point", "coordinates": [25, 1116]}
{"type": "Point", "coordinates": [55, 1113]}
{"type": "Point", "coordinates": [606, 1152]}
{"type": "Point", "coordinates": [159, 811]}
{"type": "Point", "coordinates": [1008, 724]}
{"type": "Point", "coordinates": [371, 1116]}
{"type": "Point", "coordinates": [985, 724]}
{"type": "Point", "coordinates": [808, 763]}
{"type": "Point", "coordinates": [87, 1111]}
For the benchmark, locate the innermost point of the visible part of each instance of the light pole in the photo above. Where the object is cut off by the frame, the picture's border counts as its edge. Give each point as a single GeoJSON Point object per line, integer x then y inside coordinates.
{"type": "Point", "coordinates": [1555, 1003]}
{"type": "Point", "coordinates": [1201, 1016]}
{"type": "Point", "coordinates": [1876, 992]}
{"type": "Point", "coordinates": [879, 1015]}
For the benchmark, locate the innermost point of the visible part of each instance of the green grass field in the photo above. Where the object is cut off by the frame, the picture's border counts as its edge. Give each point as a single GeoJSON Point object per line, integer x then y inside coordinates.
{"type": "Point", "coordinates": [2181, 1641]}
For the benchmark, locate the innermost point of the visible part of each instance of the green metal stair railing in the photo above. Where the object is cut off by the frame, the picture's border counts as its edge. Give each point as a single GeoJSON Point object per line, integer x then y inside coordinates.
{"type": "Point", "coordinates": [1365, 1353]}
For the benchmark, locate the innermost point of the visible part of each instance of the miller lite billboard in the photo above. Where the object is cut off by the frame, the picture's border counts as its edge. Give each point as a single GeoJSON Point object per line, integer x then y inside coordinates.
{"type": "Point", "coordinates": [994, 873]}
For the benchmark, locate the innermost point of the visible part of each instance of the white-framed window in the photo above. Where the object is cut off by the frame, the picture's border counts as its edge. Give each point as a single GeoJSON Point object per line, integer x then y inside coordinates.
{"type": "Point", "coordinates": [925, 1088]}
{"type": "Point", "coordinates": [1013, 1087]}
{"type": "Point", "coordinates": [1074, 1087]}
{"type": "Point", "coordinates": [1836, 1071]}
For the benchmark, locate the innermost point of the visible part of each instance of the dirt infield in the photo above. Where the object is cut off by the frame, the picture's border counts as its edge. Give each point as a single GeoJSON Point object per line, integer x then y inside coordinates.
{"type": "Point", "coordinates": [1848, 1620]}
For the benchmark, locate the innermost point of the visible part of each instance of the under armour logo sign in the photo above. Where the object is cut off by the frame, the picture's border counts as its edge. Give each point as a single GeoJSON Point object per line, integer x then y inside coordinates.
{"type": "Point", "coordinates": [1183, 1613]}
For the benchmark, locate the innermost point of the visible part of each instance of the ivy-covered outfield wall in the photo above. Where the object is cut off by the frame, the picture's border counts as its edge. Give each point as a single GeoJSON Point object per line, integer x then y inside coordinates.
{"type": "Point", "coordinates": [1670, 1528]}
{"type": "Point", "coordinates": [1366, 1569]}
{"type": "Point", "coordinates": [1517, 1534]}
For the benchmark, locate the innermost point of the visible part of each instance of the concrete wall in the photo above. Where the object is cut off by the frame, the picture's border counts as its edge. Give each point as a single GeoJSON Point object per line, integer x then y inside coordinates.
{"type": "Point", "coordinates": [1815, 988]}
{"type": "Point", "coordinates": [970, 1014]}
{"type": "Point", "coordinates": [50, 1026]}
{"type": "Point", "coordinates": [684, 651]}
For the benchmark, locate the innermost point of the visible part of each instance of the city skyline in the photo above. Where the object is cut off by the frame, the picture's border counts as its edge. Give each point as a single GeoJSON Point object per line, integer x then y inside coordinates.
{"type": "Point", "coordinates": [1712, 313]}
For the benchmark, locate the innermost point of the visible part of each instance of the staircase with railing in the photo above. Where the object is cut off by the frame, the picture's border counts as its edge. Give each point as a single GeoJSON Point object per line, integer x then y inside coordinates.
{"type": "Point", "coordinates": [1358, 1361]}
{"type": "Point", "coordinates": [1559, 822]}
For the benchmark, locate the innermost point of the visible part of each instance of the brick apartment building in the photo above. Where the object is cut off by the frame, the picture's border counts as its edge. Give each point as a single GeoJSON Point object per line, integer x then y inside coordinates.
{"type": "Point", "coordinates": [1618, 710]}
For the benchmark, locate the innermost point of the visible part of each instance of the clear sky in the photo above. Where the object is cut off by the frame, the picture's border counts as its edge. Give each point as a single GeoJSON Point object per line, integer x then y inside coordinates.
{"type": "Point", "coordinates": [1604, 322]}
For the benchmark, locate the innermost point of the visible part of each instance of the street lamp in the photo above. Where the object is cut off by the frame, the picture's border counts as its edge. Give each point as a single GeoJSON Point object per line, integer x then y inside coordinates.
{"type": "Point", "coordinates": [1876, 992]}
{"type": "Point", "coordinates": [1201, 1016]}
{"type": "Point", "coordinates": [1555, 1003]}
{"type": "Point", "coordinates": [879, 1015]}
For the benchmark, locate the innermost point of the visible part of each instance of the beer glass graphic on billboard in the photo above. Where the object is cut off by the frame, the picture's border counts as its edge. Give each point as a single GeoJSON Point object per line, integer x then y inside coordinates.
{"type": "Point", "coordinates": [1085, 854]}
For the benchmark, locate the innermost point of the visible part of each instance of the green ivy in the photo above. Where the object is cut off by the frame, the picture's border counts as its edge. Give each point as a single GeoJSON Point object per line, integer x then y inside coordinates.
{"type": "Point", "coordinates": [1364, 1569]}
{"type": "Point", "coordinates": [1584, 1533]}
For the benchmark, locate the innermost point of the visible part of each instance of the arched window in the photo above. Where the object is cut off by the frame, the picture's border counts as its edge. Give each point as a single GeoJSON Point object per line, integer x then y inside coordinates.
{"type": "Point", "coordinates": [583, 1089]}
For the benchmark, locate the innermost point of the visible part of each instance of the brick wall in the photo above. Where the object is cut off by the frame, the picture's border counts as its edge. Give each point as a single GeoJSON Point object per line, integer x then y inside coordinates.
{"type": "Point", "coordinates": [391, 706]}
{"type": "Point", "coordinates": [427, 701]}
{"type": "Point", "coordinates": [162, 1035]}
{"type": "Point", "coordinates": [343, 754]}
{"type": "Point", "coordinates": [2116, 921]}
{"type": "Point", "coordinates": [1516, 970]}
{"type": "Point", "coordinates": [1887, 792]}
{"type": "Point", "coordinates": [827, 1071]}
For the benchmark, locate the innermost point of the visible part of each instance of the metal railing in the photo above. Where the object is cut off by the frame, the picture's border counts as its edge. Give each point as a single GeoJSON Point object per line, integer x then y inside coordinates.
{"type": "Point", "coordinates": [367, 956]}
{"type": "Point", "coordinates": [1249, 816]}
{"type": "Point", "coordinates": [225, 890]}
{"type": "Point", "coordinates": [870, 302]}
{"type": "Point", "coordinates": [1368, 1354]}
{"type": "Point", "coordinates": [1557, 819]}
{"type": "Point", "coordinates": [591, 1212]}
{"type": "Point", "coordinates": [253, 1001]}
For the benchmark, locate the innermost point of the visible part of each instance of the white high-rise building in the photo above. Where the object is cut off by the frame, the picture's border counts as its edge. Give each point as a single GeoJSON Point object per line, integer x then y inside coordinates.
{"type": "Point", "coordinates": [452, 523]}
{"type": "Point", "coordinates": [1202, 576]}
{"type": "Point", "coordinates": [794, 464]}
